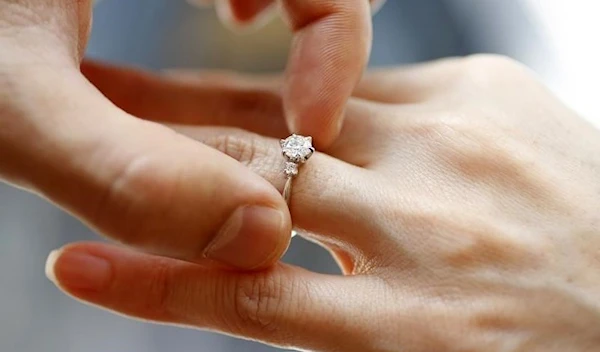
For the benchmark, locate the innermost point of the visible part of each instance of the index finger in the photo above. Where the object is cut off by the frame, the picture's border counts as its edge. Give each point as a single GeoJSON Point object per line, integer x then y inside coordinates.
{"type": "Point", "coordinates": [331, 46]}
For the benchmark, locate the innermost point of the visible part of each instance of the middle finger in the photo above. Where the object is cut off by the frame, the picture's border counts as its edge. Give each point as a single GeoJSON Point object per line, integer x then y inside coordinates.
{"type": "Point", "coordinates": [252, 103]}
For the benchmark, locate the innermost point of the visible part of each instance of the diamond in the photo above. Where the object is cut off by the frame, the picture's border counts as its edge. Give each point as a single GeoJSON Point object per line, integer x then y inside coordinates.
{"type": "Point", "coordinates": [291, 169]}
{"type": "Point", "coordinates": [296, 148]}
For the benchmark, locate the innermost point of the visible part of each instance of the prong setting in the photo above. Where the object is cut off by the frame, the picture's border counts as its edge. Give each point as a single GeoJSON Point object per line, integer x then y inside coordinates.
{"type": "Point", "coordinates": [297, 149]}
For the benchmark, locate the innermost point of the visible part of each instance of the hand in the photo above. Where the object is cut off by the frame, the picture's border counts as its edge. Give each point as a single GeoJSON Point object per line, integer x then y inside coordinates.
{"type": "Point", "coordinates": [461, 200]}
{"type": "Point", "coordinates": [138, 182]}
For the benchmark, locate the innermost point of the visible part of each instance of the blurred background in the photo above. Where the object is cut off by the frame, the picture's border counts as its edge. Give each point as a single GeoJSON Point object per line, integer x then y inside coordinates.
{"type": "Point", "coordinates": [553, 37]}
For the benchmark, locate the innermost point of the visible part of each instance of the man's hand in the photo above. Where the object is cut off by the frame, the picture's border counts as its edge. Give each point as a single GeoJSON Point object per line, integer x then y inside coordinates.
{"type": "Point", "coordinates": [135, 181]}
{"type": "Point", "coordinates": [139, 182]}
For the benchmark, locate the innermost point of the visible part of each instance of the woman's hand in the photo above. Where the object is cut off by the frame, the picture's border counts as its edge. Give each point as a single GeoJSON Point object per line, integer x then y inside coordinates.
{"type": "Point", "coordinates": [137, 181]}
{"type": "Point", "coordinates": [461, 200]}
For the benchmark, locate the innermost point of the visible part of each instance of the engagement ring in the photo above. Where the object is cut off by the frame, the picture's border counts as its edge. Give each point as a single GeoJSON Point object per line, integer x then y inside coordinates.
{"type": "Point", "coordinates": [296, 150]}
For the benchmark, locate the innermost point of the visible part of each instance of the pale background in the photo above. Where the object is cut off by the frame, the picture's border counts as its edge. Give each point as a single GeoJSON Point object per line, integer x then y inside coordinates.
{"type": "Point", "coordinates": [555, 38]}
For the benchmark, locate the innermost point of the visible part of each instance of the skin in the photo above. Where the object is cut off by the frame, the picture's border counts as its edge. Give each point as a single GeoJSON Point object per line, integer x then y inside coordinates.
{"type": "Point", "coordinates": [136, 181]}
{"type": "Point", "coordinates": [460, 199]}
{"type": "Point", "coordinates": [461, 202]}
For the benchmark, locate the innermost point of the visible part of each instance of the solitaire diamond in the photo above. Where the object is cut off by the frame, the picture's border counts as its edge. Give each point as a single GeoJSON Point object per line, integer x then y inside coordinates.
{"type": "Point", "coordinates": [296, 148]}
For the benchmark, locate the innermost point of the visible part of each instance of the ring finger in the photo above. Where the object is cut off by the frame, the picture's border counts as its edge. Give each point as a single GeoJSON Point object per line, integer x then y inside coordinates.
{"type": "Point", "coordinates": [324, 194]}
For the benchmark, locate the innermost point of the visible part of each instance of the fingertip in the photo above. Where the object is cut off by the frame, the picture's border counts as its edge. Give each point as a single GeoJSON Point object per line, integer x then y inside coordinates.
{"type": "Point", "coordinates": [75, 268]}
{"type": "Point", "coordinates": [323, 123]}
{"type": "Point", "coordinates": [314, 102]}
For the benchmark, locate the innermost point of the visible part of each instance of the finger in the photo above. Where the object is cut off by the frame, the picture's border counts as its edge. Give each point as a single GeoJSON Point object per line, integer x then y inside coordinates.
{"type": "Point", "coordinates": [384, 85]}
{"type": "Point", "coordinates": [221, 98]}
{"type": "Point", "coordinates": [218, 99]}
{"type": "Point", "coordinates": [327, 195]}
{"type": "Point", "coordinates": [285, 305]}
{"type": "Point", "coordinates": [136, 181]}
{"type": "Point", "coordinates": [331, 45]}
{"type": "Point", "coordinates": [406, 84]}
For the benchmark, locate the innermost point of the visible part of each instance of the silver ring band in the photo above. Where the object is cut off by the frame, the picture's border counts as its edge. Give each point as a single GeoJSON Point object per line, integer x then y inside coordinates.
{"type": "Point", "coordinates": [296, 150]}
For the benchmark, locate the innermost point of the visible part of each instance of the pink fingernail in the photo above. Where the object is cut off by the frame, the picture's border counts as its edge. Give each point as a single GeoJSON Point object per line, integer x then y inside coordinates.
{"type": "Point", "coordinates": [78, 270]}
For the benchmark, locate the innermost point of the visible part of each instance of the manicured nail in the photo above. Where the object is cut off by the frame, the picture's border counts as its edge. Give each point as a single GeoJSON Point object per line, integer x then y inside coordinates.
{"type": "Point", "coordinates": [78, 270]}
{"type": "Point", "coordinates": [50, 261]}
{"type": "Point", "coordinates": [250, 238]}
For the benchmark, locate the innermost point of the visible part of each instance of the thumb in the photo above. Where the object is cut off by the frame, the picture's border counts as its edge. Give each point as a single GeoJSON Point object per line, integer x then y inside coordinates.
{"type": "Point", "coordinates": [135, 181]}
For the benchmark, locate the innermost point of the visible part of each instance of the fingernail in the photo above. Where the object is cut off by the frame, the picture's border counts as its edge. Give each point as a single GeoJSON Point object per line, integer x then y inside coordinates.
{"type": "Point", "coordinates": [50, 261]}
{"type": "Point", "coordinates": [250, 238]}
{"type": "Point", "coordinates": [78, 270]}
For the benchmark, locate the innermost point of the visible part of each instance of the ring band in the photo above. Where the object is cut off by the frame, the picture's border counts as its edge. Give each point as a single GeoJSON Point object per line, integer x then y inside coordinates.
{"type": "Point", "coordinates": [296, 150]}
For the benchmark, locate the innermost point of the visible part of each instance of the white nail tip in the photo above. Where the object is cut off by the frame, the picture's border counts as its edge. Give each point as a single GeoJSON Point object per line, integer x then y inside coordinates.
{"type": "Point", "coordinates": [50, 262]}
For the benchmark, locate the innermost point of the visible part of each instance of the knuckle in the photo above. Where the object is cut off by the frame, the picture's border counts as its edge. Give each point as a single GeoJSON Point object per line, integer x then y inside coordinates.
{"type": "Point", "coordinates": [490, 69]}
{"type": "Point", "coordinates": [244, 148]}
{"type": "Point", "coordinates": [249, 149]}
{"type": "Point", "coordinates": [258, 301]}
{"type": "Point", "coordinates": [491, 63]}
{"type": "Point", "coordinates": [443, 130]}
